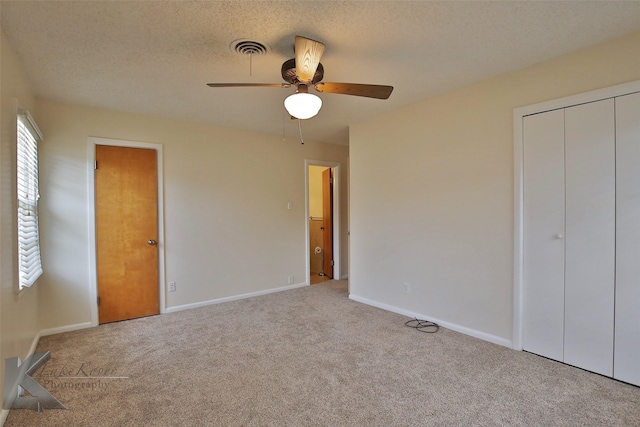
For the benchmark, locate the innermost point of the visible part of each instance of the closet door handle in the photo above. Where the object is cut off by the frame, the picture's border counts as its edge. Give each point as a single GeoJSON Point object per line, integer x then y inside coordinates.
{"type": "Point", "coordinates": [558, 237]}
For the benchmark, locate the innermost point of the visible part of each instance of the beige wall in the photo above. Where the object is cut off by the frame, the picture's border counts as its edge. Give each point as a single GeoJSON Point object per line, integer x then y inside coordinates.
{"type": "Point", "coordinates": [227, 227]}
{"type": "Point", "coordinates": [18, 313]}
{"type": "Point", "coordinates": [441, 216]}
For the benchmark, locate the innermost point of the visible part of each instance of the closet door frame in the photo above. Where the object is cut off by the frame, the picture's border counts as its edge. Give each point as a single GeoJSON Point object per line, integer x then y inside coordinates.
{"type": "Point", "coordinates": [627, 327]}
{"type": "Point", "coordinates": [518, 138]}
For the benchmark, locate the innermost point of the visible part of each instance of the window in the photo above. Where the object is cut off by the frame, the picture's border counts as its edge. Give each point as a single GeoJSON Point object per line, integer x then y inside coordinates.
{"type": "Point", "coordinates": [29, 263]}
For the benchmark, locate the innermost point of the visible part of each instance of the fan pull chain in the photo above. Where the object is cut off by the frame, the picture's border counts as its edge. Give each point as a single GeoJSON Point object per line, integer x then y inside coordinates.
{"type": "Point", "coordinates": [300, 129]}
{"type": "Point", "coordinates": [251, 64]}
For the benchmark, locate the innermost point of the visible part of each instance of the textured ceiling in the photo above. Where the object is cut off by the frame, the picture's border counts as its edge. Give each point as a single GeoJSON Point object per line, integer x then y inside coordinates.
{"type": "Point", "coordinates": [155, 57]}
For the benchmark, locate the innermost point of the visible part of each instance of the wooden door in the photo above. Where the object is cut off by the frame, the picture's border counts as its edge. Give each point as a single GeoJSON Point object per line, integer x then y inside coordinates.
{"type": "Point", "coordinates": [327, 221]}
{"type": "Point", "coordinates": [126, 232]}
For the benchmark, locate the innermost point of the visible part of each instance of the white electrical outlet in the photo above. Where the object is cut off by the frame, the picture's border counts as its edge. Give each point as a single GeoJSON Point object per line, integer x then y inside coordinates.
{"type": "Point", "coordinates": [406, 289]}
{"type": "Point", "coordinates": [290, 280]}
{"type": "Point", "coordinates": [172, 286]}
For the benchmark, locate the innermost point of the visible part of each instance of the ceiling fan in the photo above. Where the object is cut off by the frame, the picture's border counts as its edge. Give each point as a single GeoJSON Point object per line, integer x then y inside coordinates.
{"type": "Point", "coordinates": [305, 70]}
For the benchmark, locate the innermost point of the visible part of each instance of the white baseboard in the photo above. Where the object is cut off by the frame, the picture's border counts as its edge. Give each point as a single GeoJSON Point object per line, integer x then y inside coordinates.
{"type": "Point", "coordinates": [34, 343]}
{"type": "Point", "coordinates": [462, 329]}
{"type": "Point", "coordinates": [344, 277]}
{"type": "Point", "coordinates": [232, 298]}
{"type": "Point", "coordinates": [67, 328]}
{"type": "Point", "coordinates": [3, 416]}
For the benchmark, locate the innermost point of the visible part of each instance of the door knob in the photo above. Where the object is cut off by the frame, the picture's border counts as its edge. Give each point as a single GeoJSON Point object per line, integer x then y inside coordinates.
{"type": "Point", "coordinates": [152, 242]}
{"type": "Point", "coordinates": [559, 236]}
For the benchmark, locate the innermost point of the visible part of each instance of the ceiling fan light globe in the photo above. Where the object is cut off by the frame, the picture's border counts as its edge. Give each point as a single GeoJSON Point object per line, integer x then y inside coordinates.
{"type": "Point", "coordinates": [303, 105]}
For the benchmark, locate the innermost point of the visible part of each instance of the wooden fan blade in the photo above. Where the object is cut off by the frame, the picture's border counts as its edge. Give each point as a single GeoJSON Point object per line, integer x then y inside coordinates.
{"type": "Point", "coordinates": [281, 85]}
{"type": "Point", "coordinates": [308, 54]}
{"type": "Point", "coordinates": [369, 91]}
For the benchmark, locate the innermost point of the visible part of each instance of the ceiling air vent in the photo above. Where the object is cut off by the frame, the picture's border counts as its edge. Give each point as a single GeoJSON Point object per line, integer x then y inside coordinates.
{"type": "Point", "coordinates": [249, 47]}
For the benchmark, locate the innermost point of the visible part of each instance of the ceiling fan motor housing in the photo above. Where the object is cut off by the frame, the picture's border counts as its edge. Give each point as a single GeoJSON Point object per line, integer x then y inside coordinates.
{"type": "Point", "coordinates": [289, 73]}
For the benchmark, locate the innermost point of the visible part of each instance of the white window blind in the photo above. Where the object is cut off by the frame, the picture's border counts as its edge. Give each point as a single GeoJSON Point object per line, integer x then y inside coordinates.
{"type": "Point", "coordinates": [29, 262]}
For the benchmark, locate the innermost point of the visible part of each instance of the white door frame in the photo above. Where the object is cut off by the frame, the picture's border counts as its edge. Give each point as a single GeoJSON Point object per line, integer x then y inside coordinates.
{"type": "Point", "coordinates": [518, 247]}
{"type": "Point", "coordinates": [93, 276]}
{"type": "Point", "coordinates": [335, 167]}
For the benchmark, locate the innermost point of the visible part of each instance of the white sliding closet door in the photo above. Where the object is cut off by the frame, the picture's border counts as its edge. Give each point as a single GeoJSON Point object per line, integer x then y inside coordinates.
{"type": "Point", "coordinates": [543, 310]}
{"type": "Point", "coordinates": [590, 236]}
{"type": "Point", "coordinates": [627, 335]}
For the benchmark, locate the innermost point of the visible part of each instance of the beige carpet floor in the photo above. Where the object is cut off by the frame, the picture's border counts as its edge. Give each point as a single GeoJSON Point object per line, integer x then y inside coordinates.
{"type": "Point", "coordinates": [310, 357]}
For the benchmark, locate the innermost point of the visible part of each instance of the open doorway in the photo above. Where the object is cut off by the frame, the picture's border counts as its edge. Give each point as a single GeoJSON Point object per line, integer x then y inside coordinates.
{"type": "Point", "coordinates": [322, 222]}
